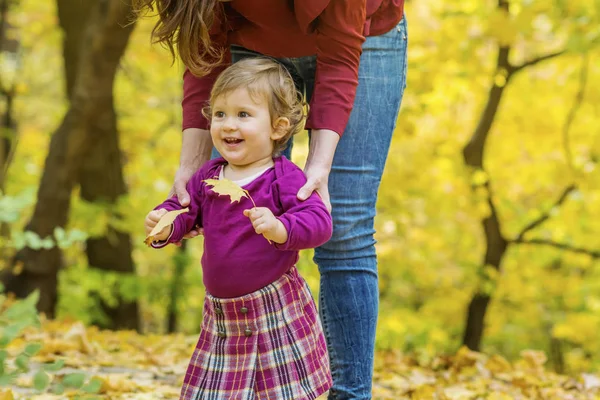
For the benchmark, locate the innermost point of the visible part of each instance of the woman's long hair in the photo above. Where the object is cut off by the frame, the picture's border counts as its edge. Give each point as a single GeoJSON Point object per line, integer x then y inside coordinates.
{"type": "Point", "coordinates": [185, 25]}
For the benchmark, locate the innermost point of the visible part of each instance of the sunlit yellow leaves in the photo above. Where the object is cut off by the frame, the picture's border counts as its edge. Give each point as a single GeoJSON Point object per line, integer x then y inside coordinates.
{"type": "Point", "coordinates": [497, 364]}
{"type": "Point", "coordinates": [534, 359]}
{"type": "Point", "coordinates": [6, 395]}
{"type": "Point", "coordinates": [458, 393]}
{"type": "Point", "coordinates": [502, 27]}
{"type": "Point", "coordinates": [500, 78]}
{"type": "Point", "coordinates": [499, 396]}
{"type": "Point", "coordinates": [578, 328]}
{"type": "Point", "coordinates": [78, 334]}
{"type": "Point", "coordinates": [474, 376]}
{"type": "Point", "coordinates": [164, 221]}
{"type": "Point", "coordinates": [479, 177]}
{"type": "Point", "coordinates": [226, 187]}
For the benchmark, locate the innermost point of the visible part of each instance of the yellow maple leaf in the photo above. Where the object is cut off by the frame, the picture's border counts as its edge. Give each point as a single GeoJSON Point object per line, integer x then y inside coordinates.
{"type": "Point", "coordinates": [164, 221]}
{"type": "Point", "coordinates": [225, 187]}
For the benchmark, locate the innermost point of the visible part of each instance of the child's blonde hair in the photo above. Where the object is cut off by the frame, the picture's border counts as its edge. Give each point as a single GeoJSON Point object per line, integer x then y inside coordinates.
{"type": "Point", "coordinates": [264, 77]}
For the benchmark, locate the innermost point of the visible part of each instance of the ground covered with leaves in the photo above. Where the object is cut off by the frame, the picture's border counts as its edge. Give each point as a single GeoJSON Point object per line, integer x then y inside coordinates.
{"type": "Point", "coordinates": [73, 361]}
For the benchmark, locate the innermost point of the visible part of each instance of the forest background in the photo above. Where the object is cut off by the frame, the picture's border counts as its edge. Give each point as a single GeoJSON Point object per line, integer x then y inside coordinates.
{"type": "Point", "coordinates": [488, 219]}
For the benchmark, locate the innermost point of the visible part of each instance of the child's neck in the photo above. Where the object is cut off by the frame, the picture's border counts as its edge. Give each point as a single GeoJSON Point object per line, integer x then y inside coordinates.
{"type": "Point", "coordinates": [239, 172]}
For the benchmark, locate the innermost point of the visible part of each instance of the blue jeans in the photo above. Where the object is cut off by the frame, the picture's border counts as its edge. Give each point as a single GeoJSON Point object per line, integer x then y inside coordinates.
{"type": "Point", "coordinates": [349, 294]}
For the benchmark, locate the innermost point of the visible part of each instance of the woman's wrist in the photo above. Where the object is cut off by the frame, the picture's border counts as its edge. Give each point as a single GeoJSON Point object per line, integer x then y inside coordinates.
{"type": "Point", "coordinates": [196, 146]}
{"type": "Point", "coordinates": [323, 143]}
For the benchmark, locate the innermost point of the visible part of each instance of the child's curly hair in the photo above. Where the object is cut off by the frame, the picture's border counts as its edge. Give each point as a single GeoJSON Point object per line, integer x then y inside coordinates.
{"type": "Point", "coordinates": [263, 76]}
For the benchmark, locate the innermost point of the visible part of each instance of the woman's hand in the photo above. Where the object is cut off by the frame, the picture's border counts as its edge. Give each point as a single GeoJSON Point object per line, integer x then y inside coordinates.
{"type": "Point", "coordinates": [196, 146]}
{"type": "Point", "coordinates": [323, 143]}
{"type": "Point", "coordinates": [317, 179]}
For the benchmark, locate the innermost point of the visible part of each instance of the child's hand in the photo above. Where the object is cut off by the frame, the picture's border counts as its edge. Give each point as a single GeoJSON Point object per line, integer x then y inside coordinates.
{"type": "Point", "coordinates": [152, 219]}
{"type": "Point", "coordinates": [265, 223]}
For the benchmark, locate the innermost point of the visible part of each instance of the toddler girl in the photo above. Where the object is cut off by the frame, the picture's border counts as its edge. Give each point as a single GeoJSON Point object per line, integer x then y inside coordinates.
{"type": "Point", "coordinates": [261, 337]}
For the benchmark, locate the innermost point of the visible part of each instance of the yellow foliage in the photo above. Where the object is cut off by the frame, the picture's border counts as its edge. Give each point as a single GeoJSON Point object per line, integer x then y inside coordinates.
{"type": "Point", "coordinates": [6, 395]}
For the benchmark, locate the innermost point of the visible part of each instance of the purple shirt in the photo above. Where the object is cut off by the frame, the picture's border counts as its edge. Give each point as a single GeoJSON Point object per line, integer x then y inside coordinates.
{"type": "Point", "coordinates": [237, 260]}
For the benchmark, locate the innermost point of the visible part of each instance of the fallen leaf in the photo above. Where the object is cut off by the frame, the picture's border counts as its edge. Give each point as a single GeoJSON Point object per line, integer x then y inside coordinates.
{"type": "Point", "coordinates": [225, 187]}
{"type": "Point", "coordinates": [498, 364]}
{"type": "Point", "coordinates": [78, 334]}
{"type": "Point", "coordinates": [534, 359]}
{"type": "Point", "coordinates": [458, 393]}
{"type": "Point", "coordinates": [164, 221]}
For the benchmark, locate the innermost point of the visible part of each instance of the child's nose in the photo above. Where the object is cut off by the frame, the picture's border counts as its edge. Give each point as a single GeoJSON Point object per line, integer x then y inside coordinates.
{"type": "Point", "coordinates": [229, 124]}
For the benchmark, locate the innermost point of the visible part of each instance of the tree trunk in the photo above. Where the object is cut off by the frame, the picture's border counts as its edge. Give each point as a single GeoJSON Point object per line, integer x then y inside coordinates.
{"type": "Point", "coordinates": [495, 243]}
{"type": "Point", "coordinates": [101, 177]}
{"type": "Point", "coordinates": [105, 39]}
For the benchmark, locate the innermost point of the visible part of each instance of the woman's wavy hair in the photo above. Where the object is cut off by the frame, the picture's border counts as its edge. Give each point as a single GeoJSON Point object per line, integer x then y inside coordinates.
{"type": "Point", "coordinates": [184, 25]}
{"type": "Point", "coordinates": [266, 78]}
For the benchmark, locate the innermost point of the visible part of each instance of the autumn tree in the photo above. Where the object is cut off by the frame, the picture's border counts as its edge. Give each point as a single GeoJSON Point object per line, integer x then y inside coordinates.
{"type": "Point", "coordinates": [84, 148]}
{"type": "Point", "coordinates": [101, 176]}
{"type": "Point", "coordinates": [496, 242]}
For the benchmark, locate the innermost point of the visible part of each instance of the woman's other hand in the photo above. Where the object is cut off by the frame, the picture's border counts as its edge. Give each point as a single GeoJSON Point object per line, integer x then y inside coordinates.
{"type": "Point", "coordinates": [323, 143]}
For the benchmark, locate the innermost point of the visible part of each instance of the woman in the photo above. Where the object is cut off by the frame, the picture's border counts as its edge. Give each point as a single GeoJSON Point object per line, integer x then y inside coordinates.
{"type": "Point", "coordinates": [349, 56]}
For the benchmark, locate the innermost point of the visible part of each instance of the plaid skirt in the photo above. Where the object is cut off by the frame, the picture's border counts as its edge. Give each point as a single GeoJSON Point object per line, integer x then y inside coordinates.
{"type": "Point", "coordinates": [268, 344]}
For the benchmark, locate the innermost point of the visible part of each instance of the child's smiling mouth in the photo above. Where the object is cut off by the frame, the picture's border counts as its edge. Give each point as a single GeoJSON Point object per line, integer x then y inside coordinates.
{"type": "Point", "coordinates": [232, 141]}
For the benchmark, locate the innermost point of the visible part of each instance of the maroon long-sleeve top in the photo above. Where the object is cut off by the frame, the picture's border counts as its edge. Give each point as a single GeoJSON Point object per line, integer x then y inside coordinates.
{"type": "Point", "coordinates": [333, 30]}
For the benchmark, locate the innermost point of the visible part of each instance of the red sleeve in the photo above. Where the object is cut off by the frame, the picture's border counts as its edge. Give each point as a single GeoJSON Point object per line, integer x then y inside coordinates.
{"type": "Point", "coordinates": [339, 45]}
{"type": "Point", "coordinates": [196, 90]}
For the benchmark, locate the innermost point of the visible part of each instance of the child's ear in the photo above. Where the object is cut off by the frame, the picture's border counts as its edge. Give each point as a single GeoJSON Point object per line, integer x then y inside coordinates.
{"type": "Point", "coordinates": [281, 126]}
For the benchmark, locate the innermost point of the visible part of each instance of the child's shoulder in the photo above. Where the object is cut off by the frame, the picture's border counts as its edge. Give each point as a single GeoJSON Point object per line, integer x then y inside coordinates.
{"type": "Point", "coordinates": [210, 169]}
{"type": "Point", "coordinates": [288, 175]}
{"type": "Point", "coordinates": [285, 167]}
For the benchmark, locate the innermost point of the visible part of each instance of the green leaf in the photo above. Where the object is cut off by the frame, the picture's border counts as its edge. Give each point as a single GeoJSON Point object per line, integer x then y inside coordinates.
{"type": "Point", "coordinates": [59, 234]}
{"type": "Point", "coordinates": [8, 379]}
{"type": "Point", "coordinates": [3, 355]}
{"type": "Point", "coordinates": [22, 362]}
{"type": "Point", "coordinates": [41, 380]}
{"type": "Point", "coordinates": [33, 240]}
{"type": "Point", "coordinates": [74, 380]}
{"type": "Point", "coordinates": [10, 333]}
{"type": "Point", "coordinates": [76, 235]}
{"type": "Point", "coordinates": [47, 243]}
{"type": "Point", "coordinates": [18, 240]}
{"type": "Point", "coordinates": [33, 298]}
{"type": "Point", "coordinates": [55, 366]}
{"type": "Point", "coordinates": [59, 388]}
{"type": "Point", "coordinates": [93, 386]}
{"type": "Point", "coordinates": [32, 349]}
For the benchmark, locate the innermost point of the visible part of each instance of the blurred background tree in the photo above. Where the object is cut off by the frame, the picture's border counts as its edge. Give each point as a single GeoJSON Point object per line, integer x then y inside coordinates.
{"type": "Point", "coordinates": [488, 210]}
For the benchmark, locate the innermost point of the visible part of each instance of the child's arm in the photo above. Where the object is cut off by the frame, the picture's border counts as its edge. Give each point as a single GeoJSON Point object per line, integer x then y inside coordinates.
{"type": "Point", "coordinates": [183, 223]}
{"type": "Point", "coordinates": [308, 223]}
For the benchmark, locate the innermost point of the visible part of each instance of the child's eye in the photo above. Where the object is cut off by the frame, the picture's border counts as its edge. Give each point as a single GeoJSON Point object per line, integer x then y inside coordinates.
{"type": "Point", "coordinates": [218, 114]}
{"type": "Point", "coordinates": [243, 114]}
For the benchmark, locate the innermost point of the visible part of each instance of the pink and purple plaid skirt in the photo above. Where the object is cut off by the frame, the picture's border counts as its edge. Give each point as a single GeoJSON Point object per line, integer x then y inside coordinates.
{"type": "Point", "coordinates": [268, 344]}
